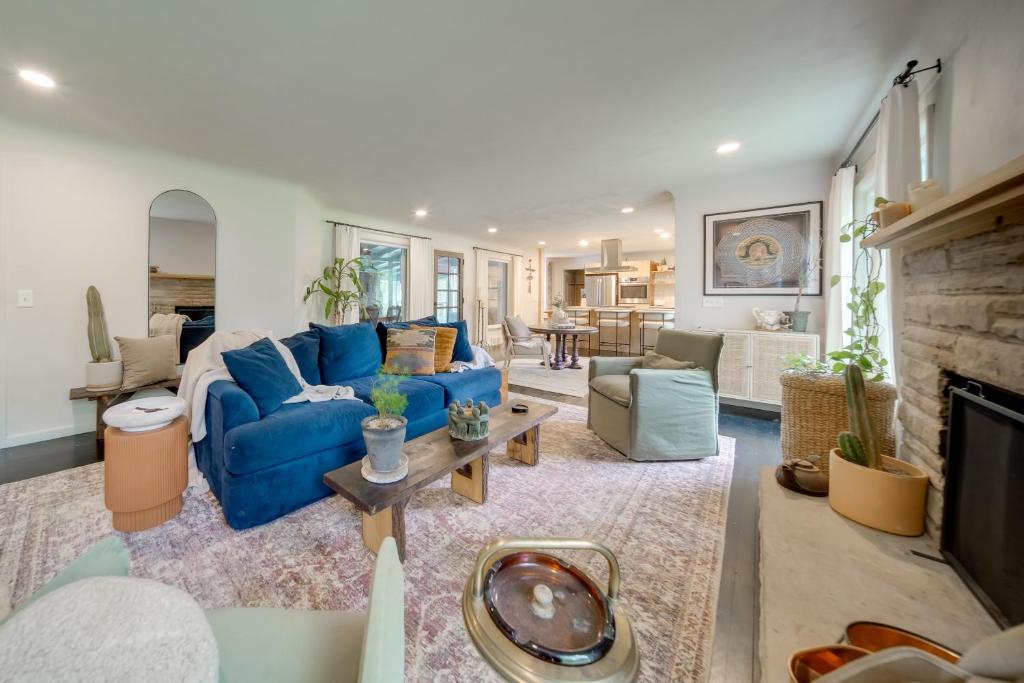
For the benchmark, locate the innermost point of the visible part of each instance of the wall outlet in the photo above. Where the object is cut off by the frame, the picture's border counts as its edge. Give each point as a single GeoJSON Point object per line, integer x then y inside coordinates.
{"type": "Point", "coordinates": [25, 298]}
{"type": "Point", "coordinates": [713, 302]}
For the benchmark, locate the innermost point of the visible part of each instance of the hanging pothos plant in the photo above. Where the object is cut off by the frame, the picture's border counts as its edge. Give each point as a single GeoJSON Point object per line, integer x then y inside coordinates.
{"type": "Point", "coordinates": [864, 331]}
{"type": "Point", "coordinates": [341, 288]}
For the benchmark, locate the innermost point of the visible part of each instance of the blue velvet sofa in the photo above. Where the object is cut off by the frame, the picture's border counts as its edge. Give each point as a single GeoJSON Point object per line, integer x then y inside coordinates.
{"type": "Point", "coordinates": [261, 469]}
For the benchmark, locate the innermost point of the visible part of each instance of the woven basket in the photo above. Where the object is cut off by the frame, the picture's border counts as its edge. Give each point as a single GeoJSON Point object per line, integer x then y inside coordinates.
{"type": "Point", "coordinates": [814, 412]}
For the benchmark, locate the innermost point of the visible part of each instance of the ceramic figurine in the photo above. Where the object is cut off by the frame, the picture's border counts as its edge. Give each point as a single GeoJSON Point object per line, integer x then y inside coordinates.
{"type": "Point", "coordinates": [770, 320]}
{"type": "Point", "coordinates": [469, 422]}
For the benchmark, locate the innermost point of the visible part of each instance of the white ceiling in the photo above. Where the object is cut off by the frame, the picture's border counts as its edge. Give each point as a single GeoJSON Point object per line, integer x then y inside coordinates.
{"type": "Point", "coordinates": [541, 118]}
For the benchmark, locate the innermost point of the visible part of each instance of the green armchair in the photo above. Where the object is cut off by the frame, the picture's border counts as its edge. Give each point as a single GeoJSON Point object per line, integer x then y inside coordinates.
{"type": "Point", "coordinates": [659, 414]}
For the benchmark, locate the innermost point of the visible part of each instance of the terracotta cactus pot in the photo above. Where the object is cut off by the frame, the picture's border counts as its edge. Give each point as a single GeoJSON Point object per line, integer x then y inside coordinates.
{"type": "Point", "coordinates": [894, 503]}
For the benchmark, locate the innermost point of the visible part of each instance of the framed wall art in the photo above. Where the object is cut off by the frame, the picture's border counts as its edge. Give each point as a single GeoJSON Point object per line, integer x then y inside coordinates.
{"type": "Point", "coordinates": [763, 252]}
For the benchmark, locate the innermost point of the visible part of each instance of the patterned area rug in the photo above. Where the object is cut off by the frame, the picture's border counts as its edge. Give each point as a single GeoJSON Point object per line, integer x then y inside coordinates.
{"type": "Point", "coordinates": [664, 521]}
{"type": "Point", "coordinates": [528, 372]}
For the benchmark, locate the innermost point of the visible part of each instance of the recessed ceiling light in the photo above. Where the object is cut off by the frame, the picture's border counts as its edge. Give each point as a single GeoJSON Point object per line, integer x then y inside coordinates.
{"type": "Point", "coordinates": [664, 235]}
{"type": "Point", "coordinates": [492, 230]}
{"type": "Point", "coordinates": [542, 243]}
{"type": "Point", "coordinates": [584, 243]}
{"type": "Point", "coordinates": [36, 78]}
{"type": "Point", "coordinates": [628, 209]}
{"type": "Point", "coordinates": [420, 213]}
{"type": "Point", "coordinates": [727, 147]}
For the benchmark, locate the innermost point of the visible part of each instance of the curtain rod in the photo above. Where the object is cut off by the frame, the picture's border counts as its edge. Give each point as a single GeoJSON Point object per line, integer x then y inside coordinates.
{"type": "Point", "coordinates": [903, 79]}
{"type": "Point", "coordinates": [363, 227]}
{"type": "Point", "coordinates": [495, 251]}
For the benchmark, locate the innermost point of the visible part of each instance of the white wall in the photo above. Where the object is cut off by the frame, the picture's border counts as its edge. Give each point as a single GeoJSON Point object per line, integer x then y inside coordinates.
{"type": "Point", "coordinates": [182, 247]}
{"type": "Point", "coordinates": [979, 95]}
{"type": "Point", "coordinates": [794, 184]}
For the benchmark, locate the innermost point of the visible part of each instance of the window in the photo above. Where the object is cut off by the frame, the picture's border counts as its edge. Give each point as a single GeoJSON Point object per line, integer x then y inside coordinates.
{"type": "Point", "coordinates": [926, 125]}
{"type": "Point", "coordinates": [497, 292]}
{"type": "Point", "coordinates": [448, 286]}
{"type": "Point", "coordinates": [384, 285]}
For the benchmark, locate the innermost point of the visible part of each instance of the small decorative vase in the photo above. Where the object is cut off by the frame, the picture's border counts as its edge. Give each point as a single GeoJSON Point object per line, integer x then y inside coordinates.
{"type": "Point", "coordinates": [798, 320]}
{"type": "Point", "coordinates": [559, 316]}
{"type": "Point", "coordinates": [384, 461]}
{"type": "Point", "coordinates": [469, 422]}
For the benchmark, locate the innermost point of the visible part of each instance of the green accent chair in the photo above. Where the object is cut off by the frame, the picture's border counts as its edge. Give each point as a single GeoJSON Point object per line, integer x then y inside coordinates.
{"type": "Point", "coordinates": [659, 414]}
{"type": "Point", "coordinates": [258, 644]}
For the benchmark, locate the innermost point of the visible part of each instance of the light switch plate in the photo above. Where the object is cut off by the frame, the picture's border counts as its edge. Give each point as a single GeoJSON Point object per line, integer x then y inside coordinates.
{"type": "Point", "coordinates": [25, 298]}
{"type": "Point", "coordinates": [713, 302]}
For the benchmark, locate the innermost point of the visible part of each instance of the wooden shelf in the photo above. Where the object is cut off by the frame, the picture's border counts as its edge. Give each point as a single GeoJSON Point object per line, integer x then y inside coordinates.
{"type": "Point", "coordinates": [179, 276]}
{"type": "Point", "coordinates": [992, 201]}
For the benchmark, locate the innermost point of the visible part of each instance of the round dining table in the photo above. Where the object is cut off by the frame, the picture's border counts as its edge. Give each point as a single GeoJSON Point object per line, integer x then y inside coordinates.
{"type": "Point", "coordinates": [559, 357]}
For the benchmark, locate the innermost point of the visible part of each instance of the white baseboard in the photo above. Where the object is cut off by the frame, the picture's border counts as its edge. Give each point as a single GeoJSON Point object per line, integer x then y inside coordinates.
{"type": "Point", "coordinates": [45, 435]}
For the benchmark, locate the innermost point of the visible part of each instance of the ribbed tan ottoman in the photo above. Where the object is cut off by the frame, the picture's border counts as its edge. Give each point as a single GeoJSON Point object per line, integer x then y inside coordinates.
{"type": "Point", "coordinates": [144, 475]}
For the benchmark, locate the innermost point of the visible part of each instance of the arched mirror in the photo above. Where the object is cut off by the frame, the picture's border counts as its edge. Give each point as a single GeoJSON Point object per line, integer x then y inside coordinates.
{"type": "Point", "coordinates": [182, 268]}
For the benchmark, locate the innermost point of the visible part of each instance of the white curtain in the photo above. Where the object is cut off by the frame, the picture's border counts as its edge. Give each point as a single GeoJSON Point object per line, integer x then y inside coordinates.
{"type": "Point", "coordinates": [515, 279]}
{"type": "Point", "coordinates": [838, 257]}
{"type": "Point", "coordinates": [421, 278]}
{"type": "Point", "coordinates": [346, 246]}
{"type": "Point", "coordinates": [480, 297]}
{"type": "Point", "coordinates": [898, 164]}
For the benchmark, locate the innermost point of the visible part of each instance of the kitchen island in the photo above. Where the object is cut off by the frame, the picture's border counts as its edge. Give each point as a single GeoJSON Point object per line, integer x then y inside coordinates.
{"type": "Point", "coordinates": [636, 316]}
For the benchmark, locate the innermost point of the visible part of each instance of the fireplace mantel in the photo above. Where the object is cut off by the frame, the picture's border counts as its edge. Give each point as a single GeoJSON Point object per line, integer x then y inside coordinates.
{"type": "Point", "coordinates": [992, 201]}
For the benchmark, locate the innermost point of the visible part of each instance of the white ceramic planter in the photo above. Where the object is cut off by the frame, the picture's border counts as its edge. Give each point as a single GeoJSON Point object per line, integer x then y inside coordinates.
{"type": "Point", "coordinates": [105, 375]}
{"type": "Point", "coordinates": [894, 503]}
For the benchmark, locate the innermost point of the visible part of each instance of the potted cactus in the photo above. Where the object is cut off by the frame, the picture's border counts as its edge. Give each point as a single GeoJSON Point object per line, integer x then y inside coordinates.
{"type": "Point", "coordinates": [866, 485]}
{"type": "Point", "coordinates": [104, 372]}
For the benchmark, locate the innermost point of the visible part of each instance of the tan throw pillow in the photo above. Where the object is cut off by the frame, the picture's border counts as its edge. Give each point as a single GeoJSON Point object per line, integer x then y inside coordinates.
{"type": "Point", "coordinates": [444, 346]}
{"type": "Point", "coordinates": [656, 361]}
{"type": "Point", "coordinates": [147, 361]}
{"type": "Point", "coordinates": [410, 352]}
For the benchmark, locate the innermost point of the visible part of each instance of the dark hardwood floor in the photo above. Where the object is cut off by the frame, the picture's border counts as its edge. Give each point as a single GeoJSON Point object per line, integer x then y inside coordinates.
{"type": "Point", "coordinates": [734, 657]}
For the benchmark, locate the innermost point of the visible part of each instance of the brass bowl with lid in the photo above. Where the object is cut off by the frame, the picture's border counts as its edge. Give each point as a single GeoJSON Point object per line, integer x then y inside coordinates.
{"type": "Point", "coordinates": [535, 617]}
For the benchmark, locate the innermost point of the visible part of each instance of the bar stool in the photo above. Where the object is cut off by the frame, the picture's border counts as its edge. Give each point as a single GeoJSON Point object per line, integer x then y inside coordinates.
{"type": "Point", "coordinates": [581, 318]}
{"type": "Point", "coordinates": [616, 321]}
{"type": "Point", "coordinates": [654, 321]}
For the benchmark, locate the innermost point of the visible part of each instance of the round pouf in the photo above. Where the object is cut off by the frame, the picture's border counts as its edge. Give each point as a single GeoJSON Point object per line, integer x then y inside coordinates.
{"type": "Point", "coordinates": [144, 474]}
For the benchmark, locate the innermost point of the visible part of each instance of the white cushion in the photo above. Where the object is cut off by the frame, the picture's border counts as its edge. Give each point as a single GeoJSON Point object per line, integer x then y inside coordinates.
{"type": "Point", "coordinates": [110, 628]}
{"type": "Point", "coordinates": [516, 327]}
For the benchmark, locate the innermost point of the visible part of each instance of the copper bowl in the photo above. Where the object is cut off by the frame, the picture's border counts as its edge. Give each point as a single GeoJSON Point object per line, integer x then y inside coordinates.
{"type": "Point", "coordinates": [873, 636]}
{"type": "Point", "coordinates": [812, 663]}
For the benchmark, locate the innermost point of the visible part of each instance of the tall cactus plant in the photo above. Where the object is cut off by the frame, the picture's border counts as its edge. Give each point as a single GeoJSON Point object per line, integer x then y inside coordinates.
{"type": "Point", "coordinates": [99, 342]}
{"type": "Point", "coordinates": [859, 445]}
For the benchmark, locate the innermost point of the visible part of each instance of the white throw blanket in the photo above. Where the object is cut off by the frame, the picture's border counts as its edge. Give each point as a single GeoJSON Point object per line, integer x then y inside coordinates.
{"type": "Point", "coordinates": [481, 359]}
{"type": "Point", "coordinates": [205, 365]}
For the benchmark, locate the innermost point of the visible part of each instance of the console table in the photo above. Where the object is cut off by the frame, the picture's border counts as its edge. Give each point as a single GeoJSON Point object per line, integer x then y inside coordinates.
{"type": "Point", "coordinates": [107, 397]}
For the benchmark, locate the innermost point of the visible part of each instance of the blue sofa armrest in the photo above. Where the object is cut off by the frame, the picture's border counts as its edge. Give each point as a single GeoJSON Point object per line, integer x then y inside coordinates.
{"type": "Point", "coordinates": [227, 407]}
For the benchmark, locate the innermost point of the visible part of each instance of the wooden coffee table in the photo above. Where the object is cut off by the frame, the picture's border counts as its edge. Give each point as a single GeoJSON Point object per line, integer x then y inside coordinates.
{"type": "Point", "coordinates": [433, 456]}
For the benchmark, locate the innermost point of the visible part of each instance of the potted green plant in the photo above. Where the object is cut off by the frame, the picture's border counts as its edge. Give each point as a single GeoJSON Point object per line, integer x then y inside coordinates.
{"type": "Point", "coordinates": [341, 288]}
{"type": "Point", "coordinates": [814, 407]}
{"type": "Point", "coordinates": [104, 372]}
{"type": "Point", "coordinates": [384, 433]}
{"type": "Point", "coordinates": [866, 485]}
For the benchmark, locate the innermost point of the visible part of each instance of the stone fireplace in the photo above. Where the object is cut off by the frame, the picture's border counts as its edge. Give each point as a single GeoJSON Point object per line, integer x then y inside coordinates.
{"type": "Point", "coordinates": [962, 309]}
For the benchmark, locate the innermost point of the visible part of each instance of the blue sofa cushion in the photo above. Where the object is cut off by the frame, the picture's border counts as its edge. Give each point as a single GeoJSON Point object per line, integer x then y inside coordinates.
{"type": "Point", "coordinates": [347, 352]}
{"type": "Point", "coordinates": [293, 431]}
{"type": "Point", "coordinates": [463, 348]}
{"type": "Point", "coordinates": [474, 384]}
{"type": "Point", "coordinates": [424, 397]}
{"type": "Point", "coordinates": [305, 347]}
{"type": "Point", "coordinates": [260, 370]}
{"type": "Point", "coordinates": [382, 329]}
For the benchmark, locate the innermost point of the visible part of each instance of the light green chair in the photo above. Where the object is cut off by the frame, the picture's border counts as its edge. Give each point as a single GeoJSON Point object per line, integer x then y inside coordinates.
{"type": "Point", "coordinates": [659, 414]}
{"type": "Point", "coordinates": [257, 644]}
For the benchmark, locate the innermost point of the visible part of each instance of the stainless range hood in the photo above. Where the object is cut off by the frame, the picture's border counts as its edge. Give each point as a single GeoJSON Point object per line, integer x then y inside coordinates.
{"type": "Point", "coordinates": [611, 260]}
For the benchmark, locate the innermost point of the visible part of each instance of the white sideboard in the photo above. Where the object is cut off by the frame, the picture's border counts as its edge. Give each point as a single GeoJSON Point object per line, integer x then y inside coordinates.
{"type": "Point", "coordinates": [752, 361]}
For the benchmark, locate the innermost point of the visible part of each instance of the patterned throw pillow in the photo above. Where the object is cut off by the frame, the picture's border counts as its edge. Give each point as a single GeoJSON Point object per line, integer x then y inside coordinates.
{"type": "Point", "coordinates": [444, 346]}
{"type": "Point", "coordinates": [410, 352]}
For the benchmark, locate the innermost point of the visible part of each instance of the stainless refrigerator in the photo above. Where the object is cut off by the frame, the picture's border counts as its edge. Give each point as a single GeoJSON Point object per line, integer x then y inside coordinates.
{"type": "Point", "coordinates": [601, 290]}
